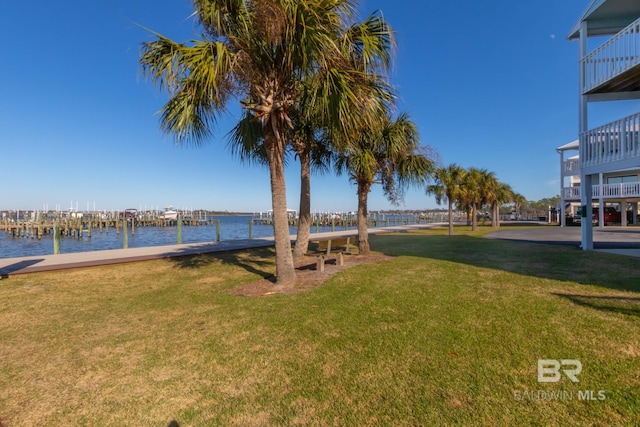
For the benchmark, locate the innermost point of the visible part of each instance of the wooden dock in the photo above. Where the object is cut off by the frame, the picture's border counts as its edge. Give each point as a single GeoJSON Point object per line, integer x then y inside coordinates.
{"type": "Point", "coordinates": [85, 224]}
{"type": "Point", "coordinates": [350, 220]}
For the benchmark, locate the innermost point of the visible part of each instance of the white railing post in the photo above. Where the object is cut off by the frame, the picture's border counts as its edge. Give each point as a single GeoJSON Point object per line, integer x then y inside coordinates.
{"type": "Point", "coordinates": [616, 191]}
{"type": "Point", "coordinates": [617, 55]}
{"type": "Point", "coordinates": [614, 141]}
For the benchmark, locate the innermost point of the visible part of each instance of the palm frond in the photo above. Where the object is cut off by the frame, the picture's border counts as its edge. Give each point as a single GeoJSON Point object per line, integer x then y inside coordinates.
{"type": "Point", "coordinates": [370, 43]}
{"type": "Point", "coordinates": [246, 141]}
{"type": "Point", "coordinates": [199, 79]}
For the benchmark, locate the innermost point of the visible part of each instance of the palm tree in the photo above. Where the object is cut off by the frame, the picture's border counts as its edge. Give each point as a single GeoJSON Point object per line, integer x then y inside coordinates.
{"type": "Point", "coordinates": [519, 201]}
{"type": "Point", "coordinates": [448, 186]}
{"type": "Point", "coordinates": [471, 196]}
{"type": "Point", "coordinates": [479, 189]}
{"type": "Point", "coordinates": [503, 194]}
{"type": "Point", "coordinates": [488, 188]}
{"type": "Point", "coordinates": [388, 154]}
{"type": "Point", "coordinates": [260, 52]}
{"type": "Point", "coordinates": [311, 147]}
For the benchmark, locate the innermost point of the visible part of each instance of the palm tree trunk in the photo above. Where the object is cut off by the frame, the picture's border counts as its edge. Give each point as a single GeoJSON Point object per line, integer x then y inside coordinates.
{"type": "Point", "coordinates": [474, 217]}
{"type": "Point", "coordinates": [450, 217]}
{"type": "Point", "coordinates": [363, 232]}
{"type": "Point", "coordinates": [304, 218]}
{"type": "Point", "coordinates": [285, 269]}
{"type": "Point", "coordinates": [496, 215]}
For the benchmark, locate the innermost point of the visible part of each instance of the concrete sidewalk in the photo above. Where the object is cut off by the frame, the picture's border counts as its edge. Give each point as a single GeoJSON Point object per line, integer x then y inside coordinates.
{"type": "Point", "coordinates": [34, 264]}
{"type": "Point", "coordinates": [612, 239]}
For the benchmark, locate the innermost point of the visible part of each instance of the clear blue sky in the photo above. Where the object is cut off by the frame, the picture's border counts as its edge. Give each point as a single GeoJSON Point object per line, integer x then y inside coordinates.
{"type": "Point", "coordinates": [489, 84]}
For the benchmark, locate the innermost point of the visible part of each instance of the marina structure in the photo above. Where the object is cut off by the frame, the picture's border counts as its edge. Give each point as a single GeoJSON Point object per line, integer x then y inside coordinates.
{"type": "Point", "coordinates": [72, 223]}
{"type": "Point", "coordinates": [608, 160]}
{"type": "Point", "coordinates": [31, 232]}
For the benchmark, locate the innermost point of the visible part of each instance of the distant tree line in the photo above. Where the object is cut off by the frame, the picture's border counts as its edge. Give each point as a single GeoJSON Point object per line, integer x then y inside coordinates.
{"type": "Point", "coordinates": [478, 192]}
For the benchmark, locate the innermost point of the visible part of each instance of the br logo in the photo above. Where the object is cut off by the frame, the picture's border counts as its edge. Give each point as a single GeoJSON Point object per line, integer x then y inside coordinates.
{"type": "Point", "coordinates": [551, 370]}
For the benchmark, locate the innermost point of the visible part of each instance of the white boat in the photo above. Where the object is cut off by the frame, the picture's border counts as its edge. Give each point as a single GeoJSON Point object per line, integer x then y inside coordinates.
{"type": "Point", "coordinates": [170, 213]}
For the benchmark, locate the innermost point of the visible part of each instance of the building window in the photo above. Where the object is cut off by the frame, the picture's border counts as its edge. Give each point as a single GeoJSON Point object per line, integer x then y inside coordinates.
{"type": "Point", "coordinates": [622, 179]}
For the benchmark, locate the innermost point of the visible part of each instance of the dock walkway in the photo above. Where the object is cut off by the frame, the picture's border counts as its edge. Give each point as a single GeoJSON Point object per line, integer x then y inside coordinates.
{"type": "Point", "coordinates": [38, 263]}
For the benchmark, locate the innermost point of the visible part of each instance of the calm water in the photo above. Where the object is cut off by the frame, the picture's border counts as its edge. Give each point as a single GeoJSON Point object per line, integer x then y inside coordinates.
{"type": "Point", "coordinates": [231, 228]}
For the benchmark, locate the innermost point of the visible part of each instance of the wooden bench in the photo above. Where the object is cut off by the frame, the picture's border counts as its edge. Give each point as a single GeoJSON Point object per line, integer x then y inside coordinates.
{"type": "Point", "coordinates": [334, 242]}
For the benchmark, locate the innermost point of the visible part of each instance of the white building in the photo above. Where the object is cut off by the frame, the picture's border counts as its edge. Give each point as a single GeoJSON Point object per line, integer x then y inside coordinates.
{"type": "Point", "coordinates": [609, 156]}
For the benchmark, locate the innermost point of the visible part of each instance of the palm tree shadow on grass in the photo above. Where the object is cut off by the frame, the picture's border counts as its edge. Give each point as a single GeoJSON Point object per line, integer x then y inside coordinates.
{"type": "Point", "coordinates": [614, 304]}
{"type": "Point", "coordinates": [258, 261]}
{"type": "Point", "coordinates": [547, 261]}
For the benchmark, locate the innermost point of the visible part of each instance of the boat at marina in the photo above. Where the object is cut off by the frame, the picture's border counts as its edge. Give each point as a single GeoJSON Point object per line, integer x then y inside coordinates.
{"type": "Point", "coordinates": [170, 213]}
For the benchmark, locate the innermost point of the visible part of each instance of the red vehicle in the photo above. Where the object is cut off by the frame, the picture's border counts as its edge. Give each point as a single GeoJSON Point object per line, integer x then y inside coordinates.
{"type": "Point", "coordinates": [611, 216]}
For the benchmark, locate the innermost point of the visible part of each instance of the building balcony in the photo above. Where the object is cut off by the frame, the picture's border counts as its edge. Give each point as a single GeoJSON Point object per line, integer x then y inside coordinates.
{"type": "Point", "coordinates": [571, 167]}
{"type": "Point", "coordinates": [626, 190]}
{"type": "Point", "coordinates": [571, 193]}
{"type": "Point", "coordinates": [615, 145]}
{"type": "Point", "coordinates": [615, 65]}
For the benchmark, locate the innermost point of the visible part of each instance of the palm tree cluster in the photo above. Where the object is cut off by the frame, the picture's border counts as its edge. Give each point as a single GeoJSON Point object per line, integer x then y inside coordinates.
{"type": "Point", "coordinates": [313, 84]}
{"type": "Point", "coordinates": [471, 190]}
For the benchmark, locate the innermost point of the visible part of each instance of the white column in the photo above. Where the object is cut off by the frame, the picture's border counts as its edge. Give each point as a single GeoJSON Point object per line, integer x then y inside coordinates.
{"type": "Point", "coordinates": [601, 202]}
{"type": "Point", "coordinates": [587, 224]}
{"type": "Point", "coordinates": [582, 100]}
{"type": "Point", "coordinates": [583, 125]}
{"type": "Point", "coordinates": [562, 216]}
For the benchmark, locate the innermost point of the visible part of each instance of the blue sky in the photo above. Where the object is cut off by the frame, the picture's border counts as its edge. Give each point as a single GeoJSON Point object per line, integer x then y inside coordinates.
{"type": "Point", "coordinates": [490, 84]}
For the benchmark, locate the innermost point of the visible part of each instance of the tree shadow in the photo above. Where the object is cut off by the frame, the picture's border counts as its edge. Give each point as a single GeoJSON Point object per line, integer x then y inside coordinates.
{"type": "Point", "coordinates": [556, 261]}
{"type": "Point", "coordinates": [13, 268]}
{"type": "Point", "coordinates": [173, 423]}
{"type": "Point", "coordinates": [258, 261]}
{"type": "Point", "coordinates": [610, 303]}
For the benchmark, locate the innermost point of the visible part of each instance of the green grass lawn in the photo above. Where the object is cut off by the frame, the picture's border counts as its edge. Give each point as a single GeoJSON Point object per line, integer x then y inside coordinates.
{"type": "Point", "coordinates": [447, 333]}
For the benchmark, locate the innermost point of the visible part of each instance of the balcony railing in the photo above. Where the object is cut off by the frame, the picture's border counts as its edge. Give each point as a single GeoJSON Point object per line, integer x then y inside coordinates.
{"type": "Point", "coordinates": [571, 193]}
{"type": "Point", "coordinates": [617, 55]}
{"type": "Point", "coordinates": [571, 167]}
{"type": "Point", "coordinates": [618, 191]}
{"type": "Point", "coordinates": [606, 191]}
{"type": "Point", "coordinates": [614, 141]}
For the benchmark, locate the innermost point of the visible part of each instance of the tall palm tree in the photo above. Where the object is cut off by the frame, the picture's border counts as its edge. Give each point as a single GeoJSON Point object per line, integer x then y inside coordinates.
{"type": "Point", "coordinates": [479, 189]}
{"type": "Point", "coordinates": [388, 154]}
{"type": "Point", "coordinates": [488, 188]}
{"type": "Point", "coordinates": [448, 186]}
{"type": "Point", "coordinates": [311, 147]}
{"type": "Point", "coordinates": [471, 196]}
{"type": "Point", "coordinates": [519, 201]}
{"type": "Point", "coordinates": [503, 194]}
{"type": "Point", "coordinates": [260, 52]}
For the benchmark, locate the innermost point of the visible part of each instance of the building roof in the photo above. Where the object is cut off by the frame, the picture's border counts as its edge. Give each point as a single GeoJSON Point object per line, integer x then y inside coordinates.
{"type": "Point", "coordinates": [605, 17]}
{"type": "Point", "coordinates": [574, 145]}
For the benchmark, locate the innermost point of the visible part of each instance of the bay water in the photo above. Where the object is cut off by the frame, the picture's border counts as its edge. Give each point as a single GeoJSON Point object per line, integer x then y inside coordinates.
{"type": "Point", "coordinates": [232, 227]}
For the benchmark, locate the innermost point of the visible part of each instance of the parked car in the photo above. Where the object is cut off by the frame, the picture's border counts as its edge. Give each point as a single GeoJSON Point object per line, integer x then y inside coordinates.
{"type": "Point", "coordinates": [611, 215]}
{"type": "Point", "coordinates": [573, 219]}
